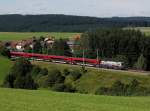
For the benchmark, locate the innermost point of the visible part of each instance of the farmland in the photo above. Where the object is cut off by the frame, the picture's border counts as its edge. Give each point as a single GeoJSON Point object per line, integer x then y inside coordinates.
{"type": "Point", "coordinates": [42, 100]}
{"type": "Point", "coordinates": [145, 30]}
{"type": "Point", "coordinates": [7, 36]}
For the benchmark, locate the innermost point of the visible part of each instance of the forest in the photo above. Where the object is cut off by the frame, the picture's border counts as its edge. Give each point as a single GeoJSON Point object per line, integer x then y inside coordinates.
{"type": "Point", "coordinates": [65, 23]}
{"type": "Point", "coordinates": [129, 46]}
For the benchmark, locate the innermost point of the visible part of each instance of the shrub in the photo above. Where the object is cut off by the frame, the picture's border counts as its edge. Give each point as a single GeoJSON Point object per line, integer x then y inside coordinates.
{"type": "Point", "coordinates": [102, 91]}
{"type": "Point", "coordinates": [66, 72]}
{"type": "Point", "coordinates": [43, 72]}
{"type": "Point", "coordinates": [35, 70]}
{"type": "Point", "coordinates": [58, 87]}
{"type": "Point", "coordinates": [118, 88]}
{"type": "Point", "coordinates": [9, 81]}
{"type": "Point", "coordinates": [55, 77]}
{"type": "Point", "coordinates": [42, 81]}
{"type": "Point", "coordinates": [76, 74]}
{"type": "Point", "coordinates": [69, 88]}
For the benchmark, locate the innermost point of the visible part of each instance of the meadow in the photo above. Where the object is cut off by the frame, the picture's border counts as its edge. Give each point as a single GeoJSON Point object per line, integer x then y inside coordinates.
{"type": "Point", "coordinates": [43, 100]}
{"type": "Point", "coordinates": [145, 30]}
{"type": "Point", "coordinates": [8, 36]}
{"type": "Point", "coordinates": [5, 65]}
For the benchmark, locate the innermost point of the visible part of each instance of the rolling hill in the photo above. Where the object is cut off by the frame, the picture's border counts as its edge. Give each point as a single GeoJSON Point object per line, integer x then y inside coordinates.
{"type": "Point", "coordinates": [65, 23]}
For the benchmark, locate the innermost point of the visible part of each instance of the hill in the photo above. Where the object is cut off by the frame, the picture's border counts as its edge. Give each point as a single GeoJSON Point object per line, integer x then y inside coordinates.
{"type": "Point", "coordinates": [96, 78]}
{"type": "Point", "coordinates": [65, 23]}
{"type": "Point", "coordinates": [40, 100]}
{"type": "Point", "coordinates": [90, 81]}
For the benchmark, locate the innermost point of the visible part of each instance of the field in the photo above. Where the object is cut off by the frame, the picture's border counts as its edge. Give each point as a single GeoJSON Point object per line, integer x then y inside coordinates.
{"type": "Point", "coordinates": [146, 30]}
{"type": "Point", "coordinates": [5, 66]}
{"type": "Point", "coordinates": [7, 36]}
{"type": "Point", "coordinates": [42, 100]}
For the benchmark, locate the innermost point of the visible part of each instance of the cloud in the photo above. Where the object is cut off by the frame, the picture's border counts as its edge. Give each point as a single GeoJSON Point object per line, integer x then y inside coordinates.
{"type": "Point", "coordinates": [98, 8]}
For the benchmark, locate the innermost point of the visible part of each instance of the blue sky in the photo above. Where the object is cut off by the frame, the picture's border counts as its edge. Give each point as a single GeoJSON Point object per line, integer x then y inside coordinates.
{"type": "Point", "coordinates": [99, 8]}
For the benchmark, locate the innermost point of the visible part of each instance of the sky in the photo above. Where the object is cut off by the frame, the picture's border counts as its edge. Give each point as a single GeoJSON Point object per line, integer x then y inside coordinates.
{"type": "Point", "coordinates": [97, 8]}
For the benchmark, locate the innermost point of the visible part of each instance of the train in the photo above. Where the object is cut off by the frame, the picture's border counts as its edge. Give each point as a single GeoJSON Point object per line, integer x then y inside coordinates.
{"type": "Point", "coordinates": [68, 60]}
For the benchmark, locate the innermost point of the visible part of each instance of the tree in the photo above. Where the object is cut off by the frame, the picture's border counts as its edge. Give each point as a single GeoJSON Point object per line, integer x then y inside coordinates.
{"type": "Point", "coordinates": [19, 76]}
{"type": "Point", "coordinates": [4, 51]}
{"type": "Point", "coordinates": [21, 67]}
{"type": "Point", "coordinates": [141, 63]}
{"type": "Point", "coordinates": [60, 47]}
{"type": "Point", "coordinates": [37, 47]}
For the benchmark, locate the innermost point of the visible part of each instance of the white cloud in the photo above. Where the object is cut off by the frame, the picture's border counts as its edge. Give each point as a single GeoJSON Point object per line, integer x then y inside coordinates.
{"type": "Point", "coordinates": [77, 7]}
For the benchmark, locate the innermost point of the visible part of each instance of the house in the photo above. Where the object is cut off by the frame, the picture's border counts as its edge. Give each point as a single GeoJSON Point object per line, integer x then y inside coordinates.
{"type": "Point", "coordinates": [74, 43]}
{"type": "Point", "coordinates": [23, 44]}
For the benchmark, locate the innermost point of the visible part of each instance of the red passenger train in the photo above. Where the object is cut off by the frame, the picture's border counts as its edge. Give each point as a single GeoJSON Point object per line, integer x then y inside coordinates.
{"type": "Point", "coordinates": [57, 59]}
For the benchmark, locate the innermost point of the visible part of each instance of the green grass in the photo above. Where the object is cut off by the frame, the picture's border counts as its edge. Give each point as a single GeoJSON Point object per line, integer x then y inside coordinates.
{"type": "Point", "coordinates": [5, 65]}
{"type": "Point", "coordinates": [95, 78]}
{"type": "Point", "coordinates": [7, 36]}
{"type": "Point", "coordinates": [42, 100]}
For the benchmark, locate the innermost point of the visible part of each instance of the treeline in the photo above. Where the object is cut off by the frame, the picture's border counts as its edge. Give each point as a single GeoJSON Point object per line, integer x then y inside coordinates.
{"type": "Point", "coordinates": [119, 88]}
{"type": "Point", "coordinates": [65, 23]}
{"type": "Point", "coordinates": [129, 46]}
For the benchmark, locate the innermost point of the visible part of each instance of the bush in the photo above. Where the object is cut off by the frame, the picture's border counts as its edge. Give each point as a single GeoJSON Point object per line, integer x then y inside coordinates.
{"type": "Point", "coordinates": [25, 83]}
{"type": "Point", "coordinates": [58, 87]}
{"type": "Point", "coordinates": [102, 91]}
{"type": "Point", "coordinates": [35, 70]}
{"type": "Point", "coordinates": [76, 74]}
{"type": "Point", "coordinates": [9, 81]}
{"type": "Point", "coordinates": [121, 89]}
{"type": "Point", "coordinates": [43, 72]}
{"type": "Point", "coordinates": [66, 72]}
{"type": "Point", "coordinates": [55, 77]}
{"type": "Point", "coordinates": [63, 88]}
{"type": "Point", "coordinates": [117, 88]}
{"type": "Point", "coordinates": [69, 88]}
{"type": "Point", "coordinates": [42, 81]}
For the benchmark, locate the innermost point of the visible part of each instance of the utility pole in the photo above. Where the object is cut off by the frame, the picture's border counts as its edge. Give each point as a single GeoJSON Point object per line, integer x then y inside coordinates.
{"type": "Point", "coordinates": [98, 57]}
{"type": "Point", "coordinates": [83, 58]}
{"type": "Point", "coordinates": [83, 66]}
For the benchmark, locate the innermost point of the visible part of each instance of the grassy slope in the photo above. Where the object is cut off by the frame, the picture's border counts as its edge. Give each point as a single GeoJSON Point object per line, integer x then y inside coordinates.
{"type": "Point", "coordinates": [4, 36]}
{"type": "Point", "coordinates": [91, 80]}
{"type": "Point", "coordinates": [99, 77]}
{"type": "Point", "coordinates": [5, 66]}
{"type": "Point", "coordinates": [26, 100]}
